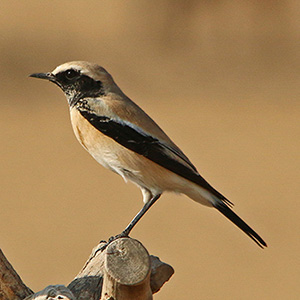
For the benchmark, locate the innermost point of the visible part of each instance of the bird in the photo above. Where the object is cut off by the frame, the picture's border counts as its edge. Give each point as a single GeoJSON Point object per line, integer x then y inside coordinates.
{"type": "Point", "coordinates": [120, 136]}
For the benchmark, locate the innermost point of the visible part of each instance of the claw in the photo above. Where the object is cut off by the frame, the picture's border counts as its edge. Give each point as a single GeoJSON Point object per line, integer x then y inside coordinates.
{"type": "Point", "coordinates": [113, 238]}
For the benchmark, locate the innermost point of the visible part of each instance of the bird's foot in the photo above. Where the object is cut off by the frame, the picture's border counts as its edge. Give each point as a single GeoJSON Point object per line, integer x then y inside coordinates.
{"type": "Point", "coordinates": [113, 238]}
{"type": "Point", "coordinates": [118, 236]}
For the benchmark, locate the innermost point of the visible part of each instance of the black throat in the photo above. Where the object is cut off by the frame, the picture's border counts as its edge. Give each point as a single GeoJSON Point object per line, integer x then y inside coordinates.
{"type": "Point", "coordinates": [82, 87]}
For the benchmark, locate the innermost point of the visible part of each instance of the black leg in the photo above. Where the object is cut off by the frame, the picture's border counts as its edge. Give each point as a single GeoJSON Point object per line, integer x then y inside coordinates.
{"type": "Point", "coordinates": [139, 215]}
{"type": "Point", "coordinates": [134, 221]}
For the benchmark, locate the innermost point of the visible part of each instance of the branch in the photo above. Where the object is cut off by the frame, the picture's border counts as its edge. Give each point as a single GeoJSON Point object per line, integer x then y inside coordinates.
{"type": "Point", "coordinates": [11, 285]}
{"type": "Point", "coordinates": [123, 270]}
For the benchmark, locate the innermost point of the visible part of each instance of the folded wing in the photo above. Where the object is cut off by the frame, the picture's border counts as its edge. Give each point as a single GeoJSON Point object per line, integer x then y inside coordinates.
{"type": "Point", "coordinates": [135, 139]}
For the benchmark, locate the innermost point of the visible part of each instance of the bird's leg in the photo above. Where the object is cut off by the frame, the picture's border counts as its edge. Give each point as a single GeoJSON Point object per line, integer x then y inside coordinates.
{"type": "Point", "coordinates": [134, 221]}
{"type": "Point", "coordinates": [139, 215]}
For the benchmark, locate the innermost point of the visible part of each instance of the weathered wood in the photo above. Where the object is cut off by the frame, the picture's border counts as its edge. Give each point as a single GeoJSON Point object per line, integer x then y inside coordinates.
{"type": "Point", "coordinates": [11, 285]}
{"type": "Point", "coordinates": [121, 271]}
{"type": "Point", "coordinates": [160, 273]}
{"type": "Point", "coordinates": [52, 292]}
{"type": "Point", "coordinates": [126, 271]}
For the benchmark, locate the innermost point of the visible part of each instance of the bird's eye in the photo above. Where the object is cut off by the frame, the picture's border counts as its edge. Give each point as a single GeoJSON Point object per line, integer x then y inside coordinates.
{"type": "Point", "coordinates": [72, 74]}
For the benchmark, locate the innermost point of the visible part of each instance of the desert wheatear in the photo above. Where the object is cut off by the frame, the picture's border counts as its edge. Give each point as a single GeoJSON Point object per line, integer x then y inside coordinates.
{"type": "Point", "coordinates": [124, 139]}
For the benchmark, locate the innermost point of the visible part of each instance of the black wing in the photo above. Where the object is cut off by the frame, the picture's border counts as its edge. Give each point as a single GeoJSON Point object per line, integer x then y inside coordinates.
{"type": "Point", "coordinates": [142, 143]}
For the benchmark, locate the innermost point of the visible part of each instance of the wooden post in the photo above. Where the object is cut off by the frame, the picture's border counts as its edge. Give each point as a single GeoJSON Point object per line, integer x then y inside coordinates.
{"type": "Point", "coordinates": [122, 271]}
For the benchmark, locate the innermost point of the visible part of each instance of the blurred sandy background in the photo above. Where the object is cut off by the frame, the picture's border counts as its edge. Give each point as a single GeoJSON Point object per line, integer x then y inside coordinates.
{"type": "Point", "coordinates": [222, 79]}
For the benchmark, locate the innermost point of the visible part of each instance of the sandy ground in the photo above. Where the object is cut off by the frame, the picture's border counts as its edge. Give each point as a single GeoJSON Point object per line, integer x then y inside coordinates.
{"type": "Point", "coordinates": [222, 79]}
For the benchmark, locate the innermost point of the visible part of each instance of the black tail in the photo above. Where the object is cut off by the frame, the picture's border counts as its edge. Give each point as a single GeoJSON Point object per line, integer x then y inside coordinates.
{"type": "Point", "coordinates": [228, 213]}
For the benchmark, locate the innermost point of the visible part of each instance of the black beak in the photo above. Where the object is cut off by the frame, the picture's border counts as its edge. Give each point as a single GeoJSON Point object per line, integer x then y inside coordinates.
{"type": "Point", "coordinates": [48, 76]}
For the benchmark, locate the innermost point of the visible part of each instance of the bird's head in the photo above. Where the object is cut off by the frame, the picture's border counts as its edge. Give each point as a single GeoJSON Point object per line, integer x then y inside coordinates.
{"type": "Point", "coordinates": [80, 79]}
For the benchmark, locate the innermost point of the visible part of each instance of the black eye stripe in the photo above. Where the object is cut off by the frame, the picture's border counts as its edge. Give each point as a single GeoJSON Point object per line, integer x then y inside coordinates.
{"type": "Point", "coordinates": [78, 86]}
{"type": "Point", "coordinates": [71, 74]}
{"type": "Point", "coordinates": [68, 77]}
